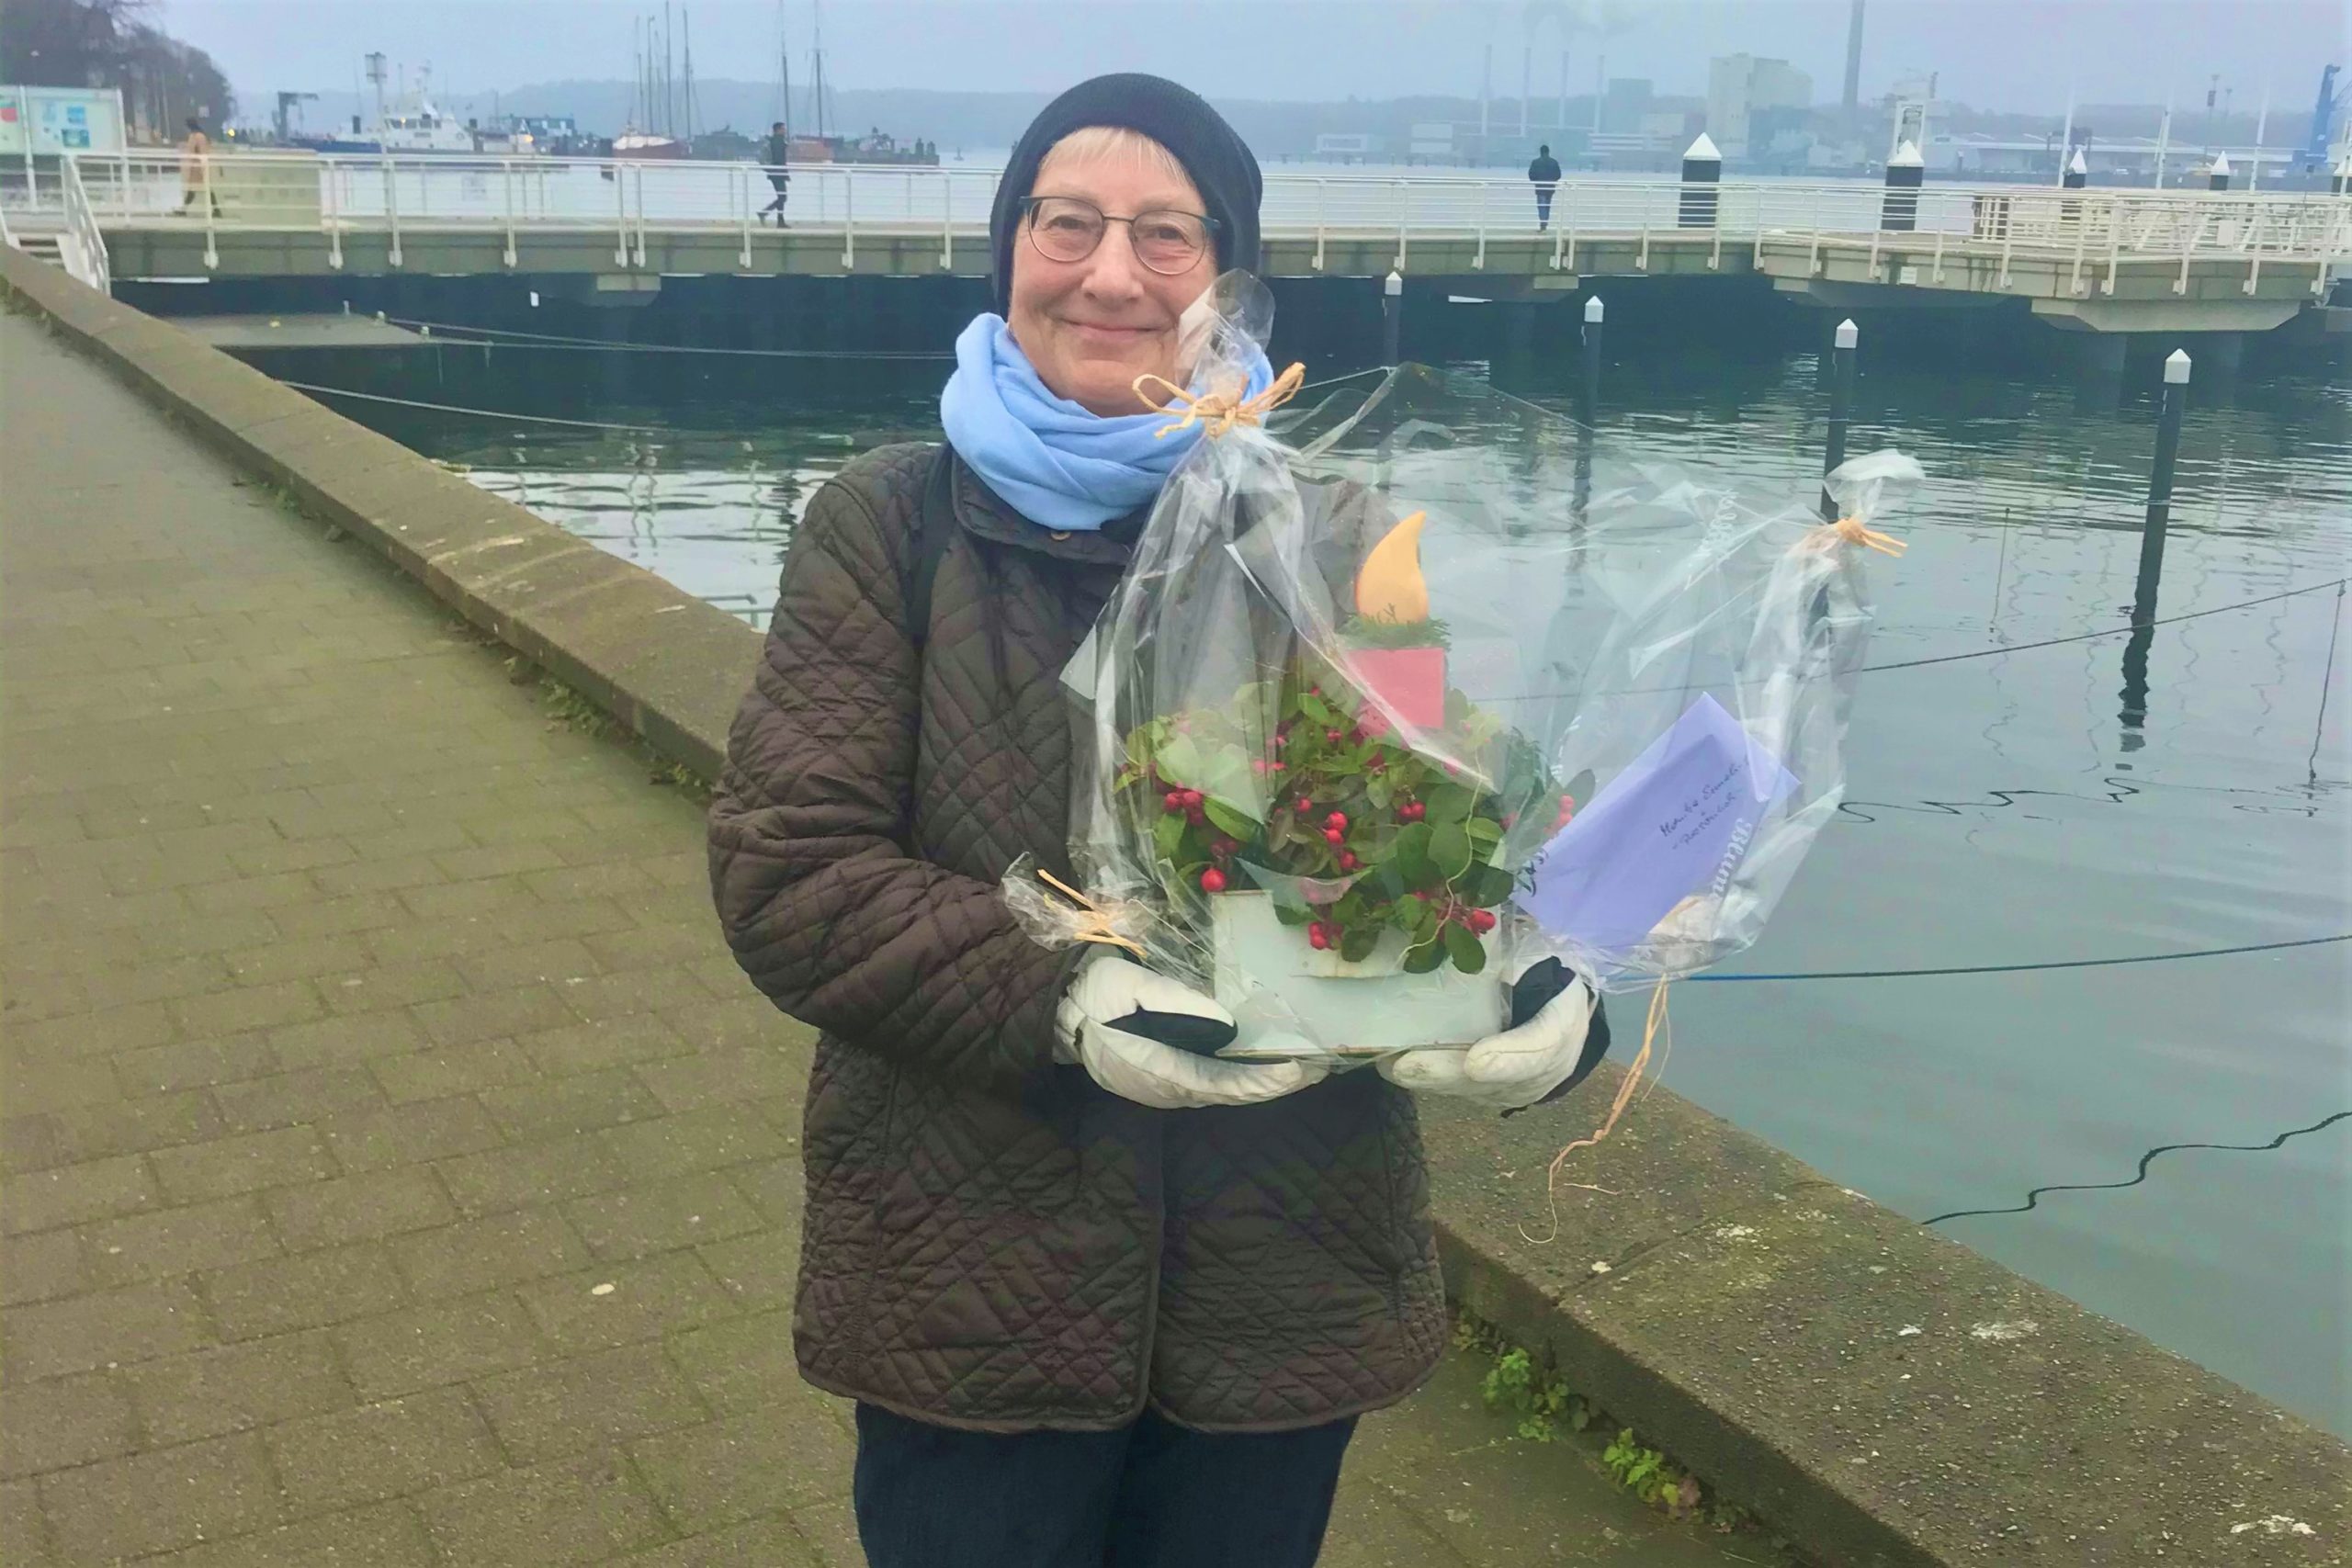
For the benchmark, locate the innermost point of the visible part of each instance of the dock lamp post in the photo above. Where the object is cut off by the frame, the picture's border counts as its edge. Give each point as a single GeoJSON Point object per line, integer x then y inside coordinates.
{"type": "Point", "coordinates": [2218, 178]}
{"type": "Point", "coordinates": [1593, 311]}
{"type": "Point", "coordinates": [1392, 317]}
{"type": "Point", "coordinates": [1702, 171]}
{"type": "Point", "coordinates": [1898, 211]}
{"type": "Point", "coordinates": [1841, 407]}
{"type": "Point", "coordinates": [2078, 172]}
{"type": "Point", "coordinates": [2152, 537]}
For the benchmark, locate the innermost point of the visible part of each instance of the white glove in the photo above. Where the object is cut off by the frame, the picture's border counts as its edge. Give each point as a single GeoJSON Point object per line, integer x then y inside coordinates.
{"type": "Point", "coordinates": [1510, 1070]}
{"type": "Point", "coordinates": [1109, 991]}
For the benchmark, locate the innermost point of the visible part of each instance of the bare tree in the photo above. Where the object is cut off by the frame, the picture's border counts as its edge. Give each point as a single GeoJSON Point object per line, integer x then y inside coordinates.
{"type": "Point", "coordinates": [109, 43]}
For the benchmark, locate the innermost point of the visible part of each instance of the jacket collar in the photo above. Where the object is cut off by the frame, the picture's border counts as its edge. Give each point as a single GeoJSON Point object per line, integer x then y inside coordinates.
{"type": "Point", "coordinates": [980, 511]}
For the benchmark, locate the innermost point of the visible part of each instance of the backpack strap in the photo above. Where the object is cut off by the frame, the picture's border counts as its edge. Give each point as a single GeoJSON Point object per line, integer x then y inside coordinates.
{"type": "Point", "coordinates": [934, 529]}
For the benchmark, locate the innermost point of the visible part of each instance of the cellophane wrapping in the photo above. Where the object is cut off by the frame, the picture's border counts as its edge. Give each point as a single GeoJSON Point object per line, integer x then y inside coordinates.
{"type": "Point", "coordinates": [1415, 683]}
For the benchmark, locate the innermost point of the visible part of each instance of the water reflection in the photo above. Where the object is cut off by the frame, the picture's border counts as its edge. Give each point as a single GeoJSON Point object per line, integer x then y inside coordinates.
{"type": "Point", "coordinates": [2019, 807]}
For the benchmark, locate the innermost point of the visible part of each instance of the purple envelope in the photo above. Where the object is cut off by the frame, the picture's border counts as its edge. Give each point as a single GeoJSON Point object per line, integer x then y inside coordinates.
{"type": "Point", "coordinates": [1676, 822]}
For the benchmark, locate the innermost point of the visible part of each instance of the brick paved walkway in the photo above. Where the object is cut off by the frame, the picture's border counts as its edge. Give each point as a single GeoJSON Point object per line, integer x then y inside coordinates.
{"type": "Point", "coordinates": [397, 1171]}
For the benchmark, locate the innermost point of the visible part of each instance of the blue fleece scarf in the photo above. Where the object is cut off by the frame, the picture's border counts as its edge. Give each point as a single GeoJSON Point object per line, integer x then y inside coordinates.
{"type": "Point", "coordinates": [1056, 464]}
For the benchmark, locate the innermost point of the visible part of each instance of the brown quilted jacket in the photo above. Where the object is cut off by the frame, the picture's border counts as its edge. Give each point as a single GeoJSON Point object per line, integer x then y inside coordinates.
{"type": "Point", "coordinates": [992, 1240]}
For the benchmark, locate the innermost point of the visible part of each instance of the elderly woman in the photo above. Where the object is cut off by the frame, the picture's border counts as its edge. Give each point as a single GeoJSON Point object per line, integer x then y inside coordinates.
{"type": "Point", "coordinates": [1098, 1299]}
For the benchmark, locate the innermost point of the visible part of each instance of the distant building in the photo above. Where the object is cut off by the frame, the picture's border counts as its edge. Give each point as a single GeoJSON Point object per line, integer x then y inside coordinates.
{"type": "Point", "coordinates": [1432, 139]}
{"type": "Point", "coordinates": [1750, 101]}
{"type": "Point", "coordinates": [1622, 104]}
{"type": "Point", "coordinates": [1342, 144]}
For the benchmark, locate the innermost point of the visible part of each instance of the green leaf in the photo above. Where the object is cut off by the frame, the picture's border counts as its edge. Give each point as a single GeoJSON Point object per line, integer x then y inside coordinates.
{"type": "Point", "coordinates": [1293, 914]}
{"type": "Point", "coordinates": [1230, 821]}
{"type": "Point", "coordinates": [1319, 710]}
{"type": "Point", "coordinates": [1181, 762]}
{"type": "Point", "coordinates": [1357, 944]}
{"type": "Point", "coordinates": [1421, 960]}
{"type": "Point", "coordinates": [1405, 914]}
{"type": "Point", "coordinates": [1484, 833]}
{"type": "Point", "coordinates": [1468, 954]}
{"type": "Point", "coordinates": [1411, 855]}
{"type": "Point", "coordinates": [1485, 886]}
{"type": "Point", "coordinates": [1165, 834]}
{"type": "Point", "coordinates": [1425, 923]}
{"type": "Point", "coordinates": [1450, 850]}
{"type": "Point", "coordinates": [1449, 803]}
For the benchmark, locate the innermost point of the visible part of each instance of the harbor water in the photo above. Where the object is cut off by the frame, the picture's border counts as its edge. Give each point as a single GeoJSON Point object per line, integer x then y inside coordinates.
{"type": "Point", "coordinates": [1934, 1017]}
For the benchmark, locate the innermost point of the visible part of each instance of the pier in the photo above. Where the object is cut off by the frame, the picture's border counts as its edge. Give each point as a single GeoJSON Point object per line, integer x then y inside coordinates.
{"type": "Point", "coordinates": [2100, 262]}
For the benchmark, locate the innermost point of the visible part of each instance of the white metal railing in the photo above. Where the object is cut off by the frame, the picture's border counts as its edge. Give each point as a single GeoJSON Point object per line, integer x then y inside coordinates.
{"type": "Point", "coordinates": [82, 246]}
{"type": "Point", "coordinates": [2092, 233]}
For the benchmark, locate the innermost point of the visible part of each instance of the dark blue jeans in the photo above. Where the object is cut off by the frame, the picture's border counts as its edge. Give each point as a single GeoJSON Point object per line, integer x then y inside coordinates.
{"type": "Point", "coordinates": [1152, 1496]}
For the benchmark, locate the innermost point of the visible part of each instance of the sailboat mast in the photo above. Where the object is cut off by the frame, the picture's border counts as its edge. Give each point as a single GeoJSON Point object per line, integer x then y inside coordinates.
{"type": "Point", "coordinates": [688, 16]}
{"type": "Point", "coordinates": [817, 10]}
{"type": "Point", "coordinates": [784, 61]}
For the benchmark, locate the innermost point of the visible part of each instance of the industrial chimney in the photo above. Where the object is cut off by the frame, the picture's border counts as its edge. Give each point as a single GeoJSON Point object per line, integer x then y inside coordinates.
{"type": "Point", "coordinates": [1854, 59]}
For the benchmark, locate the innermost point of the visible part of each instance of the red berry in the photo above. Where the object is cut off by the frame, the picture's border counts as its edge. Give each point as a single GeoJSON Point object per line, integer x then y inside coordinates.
{"type": "Point", "coordinates": [1348, 860]}
{"type": "Point", "coordinates": [1175, 800]}
{"type": "Point", "coordinates": [1336, 819]}
{"type": "Point", "coordinates": [1451, 769]}
{"type": "Point", "coordinates": [1316, 937]}
{"type": "Point", "coordinates": [1225, 847]}
{"type": "Point", "coordinates": [1191, 798]}
{"type": "Point", "coordinates": [1314, 691]}
{"type": "Point", "coordinates": [1304, 804]}
{"type": "Point", "coordinates": [1482, 921]}
{"type": "Point", "coordinates": [1422, 894]}
{"type": "Point", "coordinates": [1260, 766]}
{"type": "Point", "coordinates": [1334, 834]}
{"type": "Point", "coordinates": [1331, 736]}
{"type": "Point", "coordinates": [1282, 767]}
{"type": "Point", "coordinates": [1195, 816]}
{"type": "Point", "coordinates": [1212, 881]}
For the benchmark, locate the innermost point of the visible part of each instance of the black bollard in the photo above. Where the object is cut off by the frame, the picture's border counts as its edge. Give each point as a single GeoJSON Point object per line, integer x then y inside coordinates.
{"type": "Point", "coordinates": [1593, 311]}
{"type": "Point", "coordinates": [1898, 211]}
{"type": "Point", "coordinates": [2152, 535]}
{"type": "Point", "coordinates": [1841, 407]}
{"type": "Point", "coordinates": [1392, 318]}
{"type": "Point", "coordinates": [1702, 171]}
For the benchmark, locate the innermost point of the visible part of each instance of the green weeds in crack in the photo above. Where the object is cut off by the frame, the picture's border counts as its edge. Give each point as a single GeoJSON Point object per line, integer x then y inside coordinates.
{"type": "Point", "coordinates": [1523, 1388]}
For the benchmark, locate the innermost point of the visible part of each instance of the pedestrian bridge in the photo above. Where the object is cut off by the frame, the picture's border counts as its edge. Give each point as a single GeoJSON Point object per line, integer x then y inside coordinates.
{"type": "Point", "coordinates": [2119, 261]}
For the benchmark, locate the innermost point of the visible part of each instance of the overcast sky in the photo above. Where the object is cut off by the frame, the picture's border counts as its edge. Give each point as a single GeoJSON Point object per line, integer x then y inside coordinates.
{"type": "Point", "coordinates": [2020, 54]}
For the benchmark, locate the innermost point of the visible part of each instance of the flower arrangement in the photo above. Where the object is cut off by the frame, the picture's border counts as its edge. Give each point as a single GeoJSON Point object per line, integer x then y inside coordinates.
{"type": "Point", "coordinates": [1360, 791]}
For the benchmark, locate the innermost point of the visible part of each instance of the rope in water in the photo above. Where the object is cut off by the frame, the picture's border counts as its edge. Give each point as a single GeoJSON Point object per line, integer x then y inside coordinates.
{"type": "Point", "coordinates": [2123, 630]}
{"type": "Point", "coordinates": [2030, 968]}
{"type": "Point", "coordinates": [496, 335]}
{"type": "Point", "coordinates": [501, 413]}
{"type": "Point", "coordinates": [2034, 1197]}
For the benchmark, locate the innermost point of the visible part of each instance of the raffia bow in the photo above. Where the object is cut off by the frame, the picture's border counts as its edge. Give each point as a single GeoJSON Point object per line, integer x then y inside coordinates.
{"type": "Point", "coordinates": [1217, 412]}
{"type": "Point", "coordinates": [1854, 531]}
{"type": "Point", "coordinates": [1097, 926]}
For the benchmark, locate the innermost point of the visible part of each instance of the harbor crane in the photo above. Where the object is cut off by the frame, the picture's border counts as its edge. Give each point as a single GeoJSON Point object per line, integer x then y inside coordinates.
{"type": "Point", "coordinates": [2320, 137]}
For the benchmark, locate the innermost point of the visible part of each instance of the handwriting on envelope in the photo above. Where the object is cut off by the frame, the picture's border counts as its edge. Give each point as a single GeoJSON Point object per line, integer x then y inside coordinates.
{"type": "Point", "coordinates": [1674, 823]}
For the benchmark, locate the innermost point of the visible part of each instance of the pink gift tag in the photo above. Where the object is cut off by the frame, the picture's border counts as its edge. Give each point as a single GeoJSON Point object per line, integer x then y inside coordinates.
{"type": "Point", "coordinates": [1406, 685]}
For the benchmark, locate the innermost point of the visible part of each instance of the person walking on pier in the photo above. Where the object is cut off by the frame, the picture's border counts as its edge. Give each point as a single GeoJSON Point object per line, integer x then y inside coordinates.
{"type": "Point", "coordinates": [778, 170]}
{"type": "Point", "coordinates": [1098, 1298]}
{"type": "Point", "coordinates": [196, 169]}
{"type": "Point", "coordinates": [1543, 171]}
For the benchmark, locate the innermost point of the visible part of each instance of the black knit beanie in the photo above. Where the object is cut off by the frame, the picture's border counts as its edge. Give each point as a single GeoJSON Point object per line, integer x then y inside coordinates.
{"type": "Point", "coordinates": [1219, 162]}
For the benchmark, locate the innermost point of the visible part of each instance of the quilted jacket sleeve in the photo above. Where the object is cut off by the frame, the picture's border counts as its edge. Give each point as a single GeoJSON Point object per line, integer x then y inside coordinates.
{"type": "Point", "coordinates": [822, 902]}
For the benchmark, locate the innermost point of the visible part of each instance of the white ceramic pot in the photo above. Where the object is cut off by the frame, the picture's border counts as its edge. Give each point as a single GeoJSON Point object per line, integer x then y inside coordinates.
{"type": "Point", "coordinates": [1292, 1000]}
